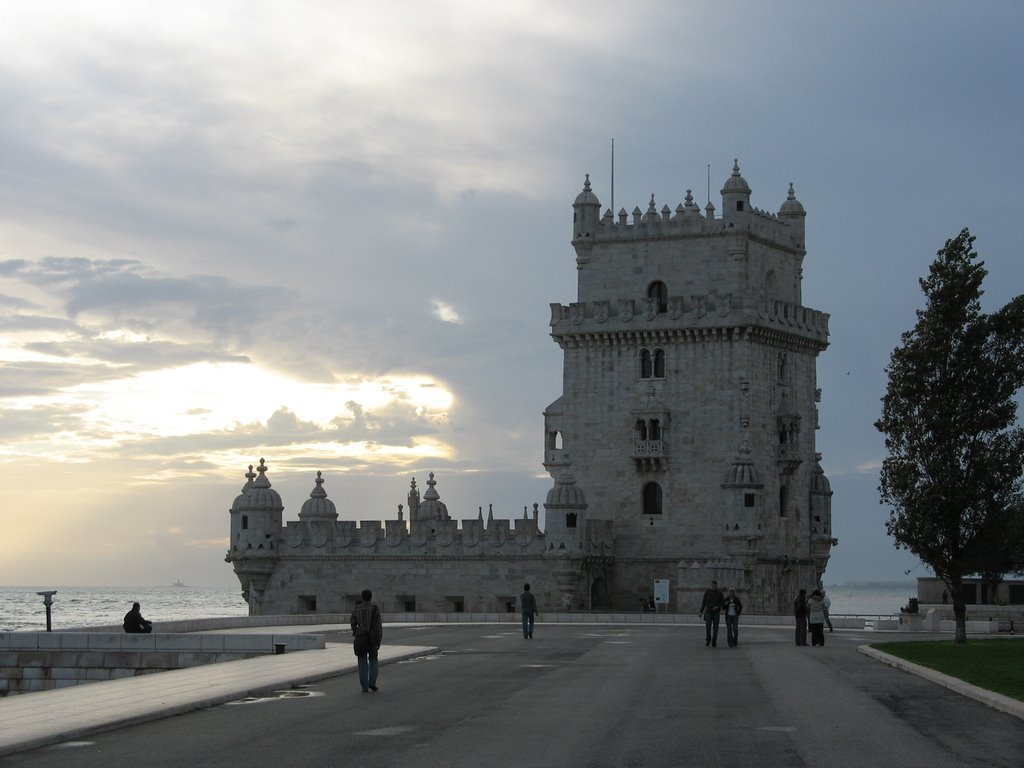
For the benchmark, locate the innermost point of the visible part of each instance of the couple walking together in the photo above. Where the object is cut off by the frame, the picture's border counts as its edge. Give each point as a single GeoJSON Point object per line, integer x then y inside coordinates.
{"type": "Point", "coordinates": [712, 606]}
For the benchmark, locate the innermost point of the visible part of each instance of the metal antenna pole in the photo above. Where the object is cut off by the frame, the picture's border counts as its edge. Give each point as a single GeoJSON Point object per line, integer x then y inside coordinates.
{"type": "Point", "coordinates": [612, 207]}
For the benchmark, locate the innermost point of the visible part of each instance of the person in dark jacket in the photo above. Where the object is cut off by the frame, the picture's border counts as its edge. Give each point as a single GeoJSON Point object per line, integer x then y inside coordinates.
{"type": "Point", "coordinates": [528, 605]}
{"type": "Point", "coordinates": [732, 608]}
{"type": "Point", "coordinates": [800, 614]}
{"type": "Point", "coordinates": [710, 610]}
{"type": "Point", "coordinates": [367, 634]}
{"type": "Point", "coordinates": [134, 623]}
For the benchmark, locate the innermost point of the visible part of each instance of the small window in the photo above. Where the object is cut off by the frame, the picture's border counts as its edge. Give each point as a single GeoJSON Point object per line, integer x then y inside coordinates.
{"type": "Point", "coordinates": [748, 500]}
{"type": "Point", "coordinates": [245, 522]}
{"type": "Point", "coordinates": [456, 604]}
{"type": "Point", "coordinates": [652, 499]}
{"type": "Point", "coordinates": [659, 292]}
{"type": "Point", "coordinates": [659, 364]}
{"type": "Point", "coordinates": [570, 519]}
{"type": "Point", "coordinates": [646, 364]}
{"type": "Point", "coordinates": [739, 205]}
{"type": "Point", "coordinates": [655, 430]}
{"type": "Point", "coordinates": [307, 603]}
{"type": "Point", "coordinates": [641, 429]}
{"type": "Point", "coordinates": [783, 501]}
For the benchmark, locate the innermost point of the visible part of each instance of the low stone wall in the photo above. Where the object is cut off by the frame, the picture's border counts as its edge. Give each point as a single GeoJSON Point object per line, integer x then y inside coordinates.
{"type": "Point", "coordinates": [39, 661]}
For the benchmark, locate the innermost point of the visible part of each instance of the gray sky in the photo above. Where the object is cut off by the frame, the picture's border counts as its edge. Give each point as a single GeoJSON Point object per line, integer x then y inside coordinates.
{"type": "Point", "coordinates": [327, 233]}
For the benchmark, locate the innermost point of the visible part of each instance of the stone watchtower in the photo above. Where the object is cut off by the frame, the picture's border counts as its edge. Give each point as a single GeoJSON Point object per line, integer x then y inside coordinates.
{"type": "Point", "coordinates": [688, 410]}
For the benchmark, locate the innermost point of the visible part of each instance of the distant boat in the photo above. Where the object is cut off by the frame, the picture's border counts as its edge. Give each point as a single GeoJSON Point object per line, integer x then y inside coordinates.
{"type": "Point", "coordinates": [178, 584]}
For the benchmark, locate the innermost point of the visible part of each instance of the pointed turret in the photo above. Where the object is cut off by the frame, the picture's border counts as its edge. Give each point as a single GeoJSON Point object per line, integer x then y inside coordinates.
{"type": "Point", "coordinates": [586, 211]}
{"type": "Point", "coordinates": [735, 197]}
{"type": "Point", "coordinates": [794, 214]}
{"type": "Point", "coordinates": [318, 506]}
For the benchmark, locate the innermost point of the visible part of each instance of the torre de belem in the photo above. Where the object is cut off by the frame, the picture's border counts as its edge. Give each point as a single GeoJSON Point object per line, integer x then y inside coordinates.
{"type": "Point", "coordinates": [682, 448]}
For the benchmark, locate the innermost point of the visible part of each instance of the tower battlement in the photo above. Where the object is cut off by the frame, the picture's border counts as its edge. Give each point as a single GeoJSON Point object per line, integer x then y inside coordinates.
{"type": "Point", "coordinates": [687, 315]}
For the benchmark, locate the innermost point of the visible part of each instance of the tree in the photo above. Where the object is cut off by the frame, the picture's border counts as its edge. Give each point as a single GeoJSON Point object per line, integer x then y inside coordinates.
{"type": "Point", "coordinates": [955, 455]}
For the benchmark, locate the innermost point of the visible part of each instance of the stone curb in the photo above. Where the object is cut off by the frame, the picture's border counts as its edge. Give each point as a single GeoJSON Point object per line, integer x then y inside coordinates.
{"type": "Point", "coordinates": [995, 700]}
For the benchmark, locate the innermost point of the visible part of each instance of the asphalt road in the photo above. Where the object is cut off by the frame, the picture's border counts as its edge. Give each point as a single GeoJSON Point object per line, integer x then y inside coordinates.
{"type": "Point", "coordinates": [587, 696]}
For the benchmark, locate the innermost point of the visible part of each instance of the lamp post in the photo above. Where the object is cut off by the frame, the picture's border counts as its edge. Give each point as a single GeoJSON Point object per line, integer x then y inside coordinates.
{"type": "Point", "coordinates": [48, 601]}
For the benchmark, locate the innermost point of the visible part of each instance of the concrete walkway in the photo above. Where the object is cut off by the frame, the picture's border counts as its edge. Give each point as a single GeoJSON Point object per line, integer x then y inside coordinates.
{"type": "Point", "coordinates": [31, 720]}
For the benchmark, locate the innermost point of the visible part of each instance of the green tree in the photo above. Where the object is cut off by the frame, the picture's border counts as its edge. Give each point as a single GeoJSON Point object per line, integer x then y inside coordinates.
{"type": "Point", "coordinates": [955, 455]}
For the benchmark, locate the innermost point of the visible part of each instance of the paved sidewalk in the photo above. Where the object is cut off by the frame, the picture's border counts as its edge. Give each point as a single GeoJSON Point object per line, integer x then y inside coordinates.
{"type": "Point", "coordinates": [31, 720]}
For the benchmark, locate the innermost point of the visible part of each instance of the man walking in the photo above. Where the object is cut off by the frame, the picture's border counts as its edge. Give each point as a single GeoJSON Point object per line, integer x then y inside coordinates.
{"type": "Point", "coordinates": [528, 605]}
{"type": "Point", "coordinates": [367, 634]}
{"type": "Point", "coordinates": [710, 610]}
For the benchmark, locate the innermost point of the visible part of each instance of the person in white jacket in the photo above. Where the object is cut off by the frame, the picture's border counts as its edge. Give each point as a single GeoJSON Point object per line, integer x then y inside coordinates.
{"type": "Point", "coordinates": [816, 617]}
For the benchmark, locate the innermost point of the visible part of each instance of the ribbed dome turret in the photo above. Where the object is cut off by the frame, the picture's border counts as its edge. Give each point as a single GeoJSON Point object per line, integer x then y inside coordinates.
{"type": "Point", "coordinates": [792, 206]}
{"type": "Point", "coordinates": [318, 506]}
{"type": "Point", "coordinates": [819, 483]}
{"type": "Point", "coordinates": [432, 508]}
{"type": "Point", "coordinates": [261, 495]}
{"type": "Point", "coordinates": [736, 183]}
{"type": "Point", "coordinates": [587, 197]}
{"type": "Point", "coordinates": [742, 473]}
{"type": "Point", "coordinates": [564, 493]}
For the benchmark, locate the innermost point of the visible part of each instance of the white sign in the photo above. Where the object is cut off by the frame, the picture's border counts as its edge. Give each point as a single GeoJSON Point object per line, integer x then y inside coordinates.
{"type": "Point", "coordinates": [661, 591]}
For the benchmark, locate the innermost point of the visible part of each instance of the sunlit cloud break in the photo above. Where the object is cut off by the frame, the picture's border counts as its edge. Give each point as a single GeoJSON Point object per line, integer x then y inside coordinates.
{"type": "Point", "coordinates": [446, 313]}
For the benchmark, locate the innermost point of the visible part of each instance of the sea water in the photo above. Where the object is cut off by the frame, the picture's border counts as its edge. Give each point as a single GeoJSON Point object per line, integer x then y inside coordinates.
{"type": "Point", "coordinates": [21, 609]}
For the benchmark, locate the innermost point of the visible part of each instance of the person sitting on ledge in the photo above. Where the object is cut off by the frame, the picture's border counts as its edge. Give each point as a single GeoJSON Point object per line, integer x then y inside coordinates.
{"type": "Point", "coordinates": [134, 623]}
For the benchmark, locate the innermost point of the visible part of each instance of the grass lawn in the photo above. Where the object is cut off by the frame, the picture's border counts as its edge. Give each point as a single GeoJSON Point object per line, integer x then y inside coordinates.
{"type": "Point", "coordinates": [996, 664]}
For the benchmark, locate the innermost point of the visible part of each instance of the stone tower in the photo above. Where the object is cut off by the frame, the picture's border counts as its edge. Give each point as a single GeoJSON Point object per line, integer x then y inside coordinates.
{"type": "Point", "coordinates": [688, 409]}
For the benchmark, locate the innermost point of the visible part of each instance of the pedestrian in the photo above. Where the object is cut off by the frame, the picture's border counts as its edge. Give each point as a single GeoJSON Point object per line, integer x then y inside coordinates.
{"type": "Point", "coordinates": [367, 634]}
{"type": "Point", "coordinates": [733, 608]}
{"type": "Point", "coordinates": [800, 614]}
{"type": "Point", "coordinates": [528, 605]}
{"type": "Point", "coordinates": [710, 609]}
{"type": "Point", "coordinates": [827, 604]}
{"type": "Point", "coordinates": [816, 617]}
{"type": "Point", "coordinates": [134, 623]}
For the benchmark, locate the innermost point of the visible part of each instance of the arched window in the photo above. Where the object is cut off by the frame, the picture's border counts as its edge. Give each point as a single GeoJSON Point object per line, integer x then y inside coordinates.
{"type": "Point", "coordinates": [659, 292]}
{"type": "Point", "coordinates": [783, 501]}
{"type": "Point", "coordinates": [652, 499]}
{"type": "Point", "coordinates": [655, 430]}
{"type": "Point", "coordinates": [641, 429]}
{"type": "Point", "coordinates": [659, 364]}
{"type": "Point", "coordinates": [570, 519]}
{"type": "Point", "coordinates": [646, 364]}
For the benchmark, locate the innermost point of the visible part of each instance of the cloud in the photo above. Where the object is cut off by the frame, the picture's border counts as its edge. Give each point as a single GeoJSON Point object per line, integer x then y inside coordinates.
{"type": "Point", "coordinates": [446, 313]}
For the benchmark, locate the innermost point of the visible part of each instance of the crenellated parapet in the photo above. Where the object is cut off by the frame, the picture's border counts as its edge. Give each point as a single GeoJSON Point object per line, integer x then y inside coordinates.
{"type": "Point", "coordinates": [684, 223]}
{"type": "Point", "coordinates": [399, 537]}
{"type": "Point", "coordinates": [739, 219]}
{"type": "Point", "coordinates": [322, 535]}
{"type": "Point", "coordinates": [688, 315]}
